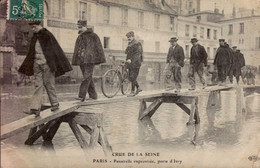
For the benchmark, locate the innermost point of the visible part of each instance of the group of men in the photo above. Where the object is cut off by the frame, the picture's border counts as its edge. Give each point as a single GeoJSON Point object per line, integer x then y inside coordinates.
{"type": "Point", "coordinates": [46, 60]}
{"type": "Point", "coordinates": [228, 62]}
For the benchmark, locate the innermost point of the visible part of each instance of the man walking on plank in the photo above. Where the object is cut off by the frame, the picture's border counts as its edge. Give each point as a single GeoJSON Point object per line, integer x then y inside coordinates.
{"type": "Point", "coordinates": [88, 52]}
{"type": "Point", "coordinates": [134, 59]}
{"type": "Point", "coordinates": [175, 59]}
{"type": "Point", "coordinates": [222, 61]}
{"type": "Point", "coordinates": [45, 60]}
{"type": "Point", "coordinates": [198, 63]}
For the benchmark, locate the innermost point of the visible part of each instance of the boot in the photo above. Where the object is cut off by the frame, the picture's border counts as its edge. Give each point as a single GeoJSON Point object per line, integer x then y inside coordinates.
{"type": "Point", "coordinates": [55, 107]}
{"type": "Point", "coordinates": [138, 91]}
{"type": "Point", "coordinates": [132, 94]}
{"type": "Point", "coordinates": [33, 111]}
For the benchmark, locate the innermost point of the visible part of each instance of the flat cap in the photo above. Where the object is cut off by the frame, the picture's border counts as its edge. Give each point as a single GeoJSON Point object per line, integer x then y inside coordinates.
{"type": "Point", "coordinates": [173, 39]}
{"type": "Point", "coordinates": [194, 40]}
{"type": "Point", "coordinates": [36, 22]}
{"type": "Point", "coordinates": [130, 34]}
{"type": "Point", "coordinates": [234, 47]}
{"type": "Point", "coordinates": [82, 23]}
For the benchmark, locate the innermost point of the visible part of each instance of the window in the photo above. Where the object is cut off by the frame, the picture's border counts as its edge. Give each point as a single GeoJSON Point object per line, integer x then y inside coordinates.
{"type": "Point", "coordinates": [171, 23]}
{"type": "Point", "coordinates": [106, 42]}
{"type": "Point", "coordinates": [187, 30]}
{"type": "Point", "coordinates": [257, 42]}
{"type": "Point", "coordinates": [141, 19]}
{"type": "Point", "coordinates": [106, 13]}
{"type": "Point", "coordinates": [157, 46]}
{"type": "Point", "coordinates": [208, 51]}
{"type": "Point", "coordinates": [230, 42]}
{"type": "Point", "coordinates": [58, 8]}
{"type": "Point", "coordinates": [215, 35]}
{"type": "Point", "coordinates": [201, 32]}
{"type": "Point", "coordinates": [230, 29]}
{"type": "Point", "coordinates": [198, 18]}
{"type": "Point", "coordinates": [194, 31]}
{"type": "Point", "coordinates": [187, 51]}
{"type": "Point", "coordinates": [157, 21]}
{"type": "Point", "coordinates": [241, 28]}
{"type": "Point", "coordinates": [124, 17]}
{"type": "Point", "coordinates": [208, 33]}
{"type": "Point", "coordinates": [84, 11]}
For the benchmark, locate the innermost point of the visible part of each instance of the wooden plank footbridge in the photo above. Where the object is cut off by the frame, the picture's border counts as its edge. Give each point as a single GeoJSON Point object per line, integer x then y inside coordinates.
{"type": "Point", "coordinates": [77, 114]}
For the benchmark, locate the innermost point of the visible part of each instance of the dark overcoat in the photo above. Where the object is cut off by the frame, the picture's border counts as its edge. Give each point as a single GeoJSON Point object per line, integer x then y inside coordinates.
{"type": "Point", "coordinates": [88, 49]}
{"type": "Point", "coordinates": [134, 52]}
{"type": "Point", "coordinates": [176, 54]}
{"type": "Point", "coordinates": [198, 55]}
{"type": "Point", "coordinates": [54, 55]}
{"type": "Point", "coordinates": [223, 56]}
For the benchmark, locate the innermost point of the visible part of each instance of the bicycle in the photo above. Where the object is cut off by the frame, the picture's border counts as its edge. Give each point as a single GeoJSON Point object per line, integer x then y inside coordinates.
{"type": "Point", "coordinates": [114, 80]}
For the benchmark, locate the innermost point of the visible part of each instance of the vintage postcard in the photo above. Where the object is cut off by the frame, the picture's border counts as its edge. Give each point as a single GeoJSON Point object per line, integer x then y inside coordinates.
{"type": "Point", "coordinates": [130, 83]}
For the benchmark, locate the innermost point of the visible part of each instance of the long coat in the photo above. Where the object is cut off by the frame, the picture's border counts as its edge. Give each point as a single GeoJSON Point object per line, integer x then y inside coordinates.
{"type": "Point", "coordinates": [88, 49]}
{"type": "Point", "coordinates": [134, 52]}
{"type": "Point", "coordinates": [198, 55]}
{"type": "Point", "coordinates": [54, 55]}
{"type": "Point", "coordinates": [176, 54]}
{"type": "Point", "coordinates": [223, 56]}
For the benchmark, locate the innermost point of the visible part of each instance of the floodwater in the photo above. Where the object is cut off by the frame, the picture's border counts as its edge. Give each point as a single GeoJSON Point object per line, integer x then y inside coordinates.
{"type": "Point", "coordinates": [224, 138]}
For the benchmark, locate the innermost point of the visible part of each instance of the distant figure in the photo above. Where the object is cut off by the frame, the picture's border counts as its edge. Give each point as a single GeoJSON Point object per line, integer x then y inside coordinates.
{"type": "Point", "coordinates": [134, 59]}
{"type": "Point", "coordinates": [45, 60]}
{"type": "Point", "coordinates": [222, 61]}
{"type": "Point", "coordinates": [88, 52]}
{"type": "Point", "coordinates": [175, 60]}
{"type": "Point", "coordinates": [198, 63]}
{"type": "Point", "coordinates": [249, 74]}
{"type": "Point", "coordinates": [238, 63]}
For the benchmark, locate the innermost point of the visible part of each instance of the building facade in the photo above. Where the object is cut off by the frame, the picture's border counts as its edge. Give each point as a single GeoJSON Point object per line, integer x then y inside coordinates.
{"type": "Point", "coordinates": [244, 32]}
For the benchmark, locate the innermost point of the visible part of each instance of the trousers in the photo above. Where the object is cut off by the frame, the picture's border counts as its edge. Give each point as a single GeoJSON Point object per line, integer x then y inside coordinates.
{"type": "Point", "coordinates": [175, 75]}
{"type": "Point", "coordinates": [222, 72]}
{"type": "Point", "coordinates": [133, 74]}
{"type": "Point", "coordinates": [87, 85]}
{"type": "Point", "coordinates": [44, 78]}
{"type": "Point", "coordinates": [191, 75]}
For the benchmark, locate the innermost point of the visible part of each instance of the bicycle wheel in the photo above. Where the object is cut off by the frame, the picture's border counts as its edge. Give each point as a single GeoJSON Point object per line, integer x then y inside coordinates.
{"type": "Point", "coordinates": [125, 86]}
{"type": "Point", "coordinates": [110, 84]}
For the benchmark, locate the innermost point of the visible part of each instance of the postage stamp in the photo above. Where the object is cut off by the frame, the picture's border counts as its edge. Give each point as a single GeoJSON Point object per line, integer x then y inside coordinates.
{"type": "Point", "coordinates": [25, 9]}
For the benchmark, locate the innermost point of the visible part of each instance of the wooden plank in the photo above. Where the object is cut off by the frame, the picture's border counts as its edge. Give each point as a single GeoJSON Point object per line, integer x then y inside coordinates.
{"type": "Point", "coordinates": [32, 131]}
{"type": "Point", "coordinates": [104, 142]}
{"type": "Point", "coordinates": [52, 131]}
{"type": "Point", "coordinates": [26, 123]}
{"type": "Point", "coordinates": [76, 131]}
{"type": "Point", "coordinates": [39, 133]}
{"type": "Point", "coordinates": [142, 107]}
{"type": "Point", "coordinates": [192, 112]}
{"type": "Point", "coordinates": [187, 110]}
{"type": "Point", "coordinates": [152, 108]}
{"type": "Point", "coordinates": [94, 137]}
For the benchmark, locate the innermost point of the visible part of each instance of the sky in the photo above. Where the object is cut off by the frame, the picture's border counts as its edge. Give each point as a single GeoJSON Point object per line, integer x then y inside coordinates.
{"type": "Point", "coordinates": [227, 5]}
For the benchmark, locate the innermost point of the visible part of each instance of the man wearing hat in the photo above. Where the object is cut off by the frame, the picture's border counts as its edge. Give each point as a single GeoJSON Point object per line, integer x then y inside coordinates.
{"type": "Point", "coordinates": [134, 58]}
{"type": "Point", "coordinates": [238, 63]}
{"type": "Point", "coordinates": [88, 52]}
{"type": "Point", "coordinates": [175, 59]}
{"type": "Point", "coordinates": [222, 61]}
{"type": "Point", "coordinates": [198, 62]}
{"type": "Point", "coordinates": [45, 60]}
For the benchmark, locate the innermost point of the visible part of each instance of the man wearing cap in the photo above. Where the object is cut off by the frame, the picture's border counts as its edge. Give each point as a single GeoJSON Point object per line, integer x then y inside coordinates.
{"type": "Point", "coordinates": [175, 59]}
{"type": "Point", "coordinates": [45, 60]}
{"type": "Point", "coordinates": [198, 63]}
{"type": "Point", "coordinates": [88, 52]}
{"type": "Point", "coordinates": [238, 63]}
{"type": "Point", "coordinates": [222, 61]}
{"type": "Point", "coordinates": [134, 58]}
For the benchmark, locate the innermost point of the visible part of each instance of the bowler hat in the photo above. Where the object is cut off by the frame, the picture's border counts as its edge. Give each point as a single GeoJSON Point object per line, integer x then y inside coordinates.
{"type": "Point", "coordinates": [130, 34]}
{"type": "Point", "coordinates": [221, 40]}
{"type": "Point", "coordinates": [36, 22]}
{"type": "Point", "coordinates": [194, 40]}
{"type": "Point", "coordinates": [173, 39]}
{"type": "Point", "coordinates": [82, 23]}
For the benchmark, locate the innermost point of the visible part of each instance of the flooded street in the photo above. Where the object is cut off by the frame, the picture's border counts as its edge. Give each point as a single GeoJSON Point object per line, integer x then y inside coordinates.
{"type": "Point", "coordinates": [224, 136]}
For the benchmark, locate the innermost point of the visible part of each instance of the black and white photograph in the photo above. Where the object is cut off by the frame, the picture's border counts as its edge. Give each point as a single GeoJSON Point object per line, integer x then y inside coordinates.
{"type": "Point", "coordinates": [130, 83]}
